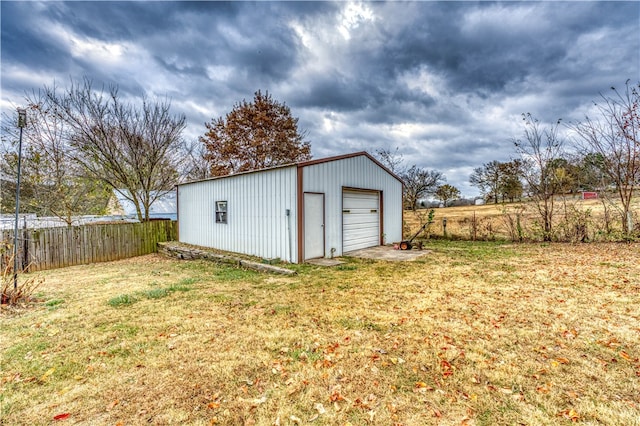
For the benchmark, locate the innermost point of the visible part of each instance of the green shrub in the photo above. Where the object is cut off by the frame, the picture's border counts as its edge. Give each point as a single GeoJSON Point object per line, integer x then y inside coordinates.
{"type": "Point", "coordinates": [122, 300]}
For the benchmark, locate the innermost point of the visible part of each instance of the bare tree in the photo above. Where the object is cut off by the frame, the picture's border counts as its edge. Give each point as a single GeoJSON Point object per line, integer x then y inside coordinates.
{"type": "Point", "coordinates": [392, 160]}
{"type": "Point", "coordinates": [136, 151]}
{"type": "Point", "coordinates": [52, 182]}
{"type": "Point", "coordinates": [196, 166]}
{"type": "Point", "coordinates": [487, 179]}
{"type": "Point", "coordinates": [615, 137]}
{"type": "Point", "coordinates": [418, 183]}
{"type": "Point", "coordinates": [539, 148]}
{"type": "Point", "coordinates": [447, 193]}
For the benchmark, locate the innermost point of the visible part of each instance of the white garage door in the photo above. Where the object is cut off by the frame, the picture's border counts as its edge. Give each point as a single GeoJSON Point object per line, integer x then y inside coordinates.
{"type": "Point", "coordinates": [360, 220]}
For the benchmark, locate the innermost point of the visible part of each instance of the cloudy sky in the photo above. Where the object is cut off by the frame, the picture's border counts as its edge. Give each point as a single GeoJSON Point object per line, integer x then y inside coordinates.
{"type": "Point", "coordinates": [445, 82]}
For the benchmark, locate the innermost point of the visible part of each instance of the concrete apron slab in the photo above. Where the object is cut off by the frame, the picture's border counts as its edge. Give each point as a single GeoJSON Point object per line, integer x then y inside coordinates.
{"type": "Point", "coordinates": [387, 253]}
{"type": "Point", "coordinates": [324, 262]}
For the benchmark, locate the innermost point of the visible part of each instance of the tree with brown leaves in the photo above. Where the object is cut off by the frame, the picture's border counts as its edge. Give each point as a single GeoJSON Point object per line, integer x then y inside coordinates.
{"type": "Point", "coordinates": [254, 135]}
{"type": "Point", "coordinates": [127, 147]}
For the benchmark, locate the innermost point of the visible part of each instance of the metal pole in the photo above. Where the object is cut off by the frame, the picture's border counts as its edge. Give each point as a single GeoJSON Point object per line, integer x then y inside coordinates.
{"type": "Point", "coordinates": [22, 122]}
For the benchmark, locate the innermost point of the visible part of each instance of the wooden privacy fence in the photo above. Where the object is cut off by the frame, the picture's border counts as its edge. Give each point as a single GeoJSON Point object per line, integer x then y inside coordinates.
{"type": "Point", "coordinates": [50, 248]}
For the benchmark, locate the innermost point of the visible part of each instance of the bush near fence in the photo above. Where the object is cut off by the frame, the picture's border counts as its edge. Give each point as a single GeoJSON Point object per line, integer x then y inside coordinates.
{"type": "Point", "coordinates": [50, 248]}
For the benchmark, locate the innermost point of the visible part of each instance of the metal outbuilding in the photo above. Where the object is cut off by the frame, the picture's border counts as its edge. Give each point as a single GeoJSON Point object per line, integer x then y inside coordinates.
{"type": "Point", "coordinates": [295, 212]}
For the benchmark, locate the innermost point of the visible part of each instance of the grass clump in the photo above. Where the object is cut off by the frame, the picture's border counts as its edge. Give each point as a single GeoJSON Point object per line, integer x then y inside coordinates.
{"type": "Point", "coordinates": [53, 303]}
{"type": "Point", "coordinates": [122, 300]}
{"type": "Point", "coordinates": [155, 293]}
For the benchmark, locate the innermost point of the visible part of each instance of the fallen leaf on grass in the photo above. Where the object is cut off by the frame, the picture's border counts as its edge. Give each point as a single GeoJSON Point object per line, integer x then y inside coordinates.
{"type": "Point", "coordinates": [112, 405]}
{"type": "Point", "coordinates": [625, 355]}
{"type": "Point", "coordinates": [611, 343]}
{"type": "Point", "coordinates": [335, 396]}
{"type": "Point", "coordinates": [46, 375]}
{"type": "Point", "coordinates": [570, 414]}
{"type": "Point", "coordinates": [572, 394]}
{"type": "Point", "coordinates": [447, 369]}
{"type": "Point", "coordinates": [543, 389]}
{"type": "Point", "coordinates": [361, 404]}
{"type": "Point", "coordinates": [422, 387]}
{"type": "Point", "coordinates": [62, 416]}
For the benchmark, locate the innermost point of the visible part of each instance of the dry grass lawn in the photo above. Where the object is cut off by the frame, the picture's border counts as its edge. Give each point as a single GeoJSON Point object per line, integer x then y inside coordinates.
{"type": "Point", "coordinates": [470, 334]}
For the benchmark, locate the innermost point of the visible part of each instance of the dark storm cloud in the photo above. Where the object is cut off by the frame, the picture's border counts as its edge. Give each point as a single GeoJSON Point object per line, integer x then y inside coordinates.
{"type": "Point", "coordinates": [483, 48]}
{"type": "Point", "coordinates": [22, 30]}
{"type": "Point", "coordinates": [443, 81]}
{"type": "Point", "coordinates": [261, 50]}
{"type": "Point", "coordinates": [112, 20]}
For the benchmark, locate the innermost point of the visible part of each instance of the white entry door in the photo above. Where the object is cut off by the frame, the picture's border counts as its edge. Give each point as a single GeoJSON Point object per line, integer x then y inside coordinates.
{"type": "Point", "coordinates": [313, 225]}
{"type": "Point", "coordinates": [360, 219]}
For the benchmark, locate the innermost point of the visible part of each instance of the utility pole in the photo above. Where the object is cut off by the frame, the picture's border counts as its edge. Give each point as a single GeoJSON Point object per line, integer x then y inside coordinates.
{"type": "Point", "coordinates": [22, 123]}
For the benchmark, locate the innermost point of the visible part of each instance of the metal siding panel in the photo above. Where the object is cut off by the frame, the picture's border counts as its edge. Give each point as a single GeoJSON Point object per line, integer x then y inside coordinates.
{"type": "Point", "coordinates": [257, 224]}
{"type": "Point", "coordinates": [355, 172]}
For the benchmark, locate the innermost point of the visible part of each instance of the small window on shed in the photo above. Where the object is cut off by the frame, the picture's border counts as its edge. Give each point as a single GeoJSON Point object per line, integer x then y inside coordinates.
{"type": "Point", "coordinates": [221, 212]}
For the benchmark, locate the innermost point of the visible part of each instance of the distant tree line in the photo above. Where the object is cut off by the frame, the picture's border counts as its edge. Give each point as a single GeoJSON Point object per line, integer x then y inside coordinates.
{"type": "Point", "coordinates": [599, 153]}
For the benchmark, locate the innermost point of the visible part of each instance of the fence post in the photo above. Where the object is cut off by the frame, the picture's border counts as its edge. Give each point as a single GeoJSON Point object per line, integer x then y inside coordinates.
{"type": "Point", "coordinates": [25, 248]}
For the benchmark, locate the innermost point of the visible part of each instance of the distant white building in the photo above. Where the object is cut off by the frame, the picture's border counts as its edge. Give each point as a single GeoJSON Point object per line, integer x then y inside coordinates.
{"type": "Point", "coordinates": [165, 207]}
{"type": "Point", "coordinates": [318, 208]}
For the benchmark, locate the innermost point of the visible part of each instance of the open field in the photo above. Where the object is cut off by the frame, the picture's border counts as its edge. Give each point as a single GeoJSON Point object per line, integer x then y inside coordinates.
{"type": "Point", "coordinates": [573, 218]}
{"type": "Point", "coordinates": [470, 334]}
